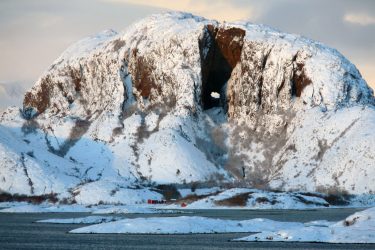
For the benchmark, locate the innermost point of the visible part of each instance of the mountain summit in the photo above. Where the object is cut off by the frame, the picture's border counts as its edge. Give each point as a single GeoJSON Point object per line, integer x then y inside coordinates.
{"type": "Point", "coordinates": [177, 98]}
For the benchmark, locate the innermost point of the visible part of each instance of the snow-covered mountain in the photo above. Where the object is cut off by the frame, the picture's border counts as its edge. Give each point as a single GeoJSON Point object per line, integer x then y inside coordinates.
{"type": "Point", "coordinates": [177, 98]}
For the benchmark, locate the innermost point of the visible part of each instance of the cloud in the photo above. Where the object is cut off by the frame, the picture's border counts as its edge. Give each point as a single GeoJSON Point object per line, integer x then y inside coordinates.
{"type": "Point", "coordinates": [11, 93]}
{"type": "Point", "coordinates": [359, 18]}
{"type": "Point", "coordinates": [220, 9]}
{"type": "Point", "coordinates": [39, 19]}
{"type": "Point", "coordinates": [367, 70]}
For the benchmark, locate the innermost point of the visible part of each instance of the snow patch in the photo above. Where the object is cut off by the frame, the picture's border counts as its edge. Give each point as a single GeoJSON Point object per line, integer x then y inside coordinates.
{"type": "Point", "coordinates": [46, 209]}
{"type": "Point", "coordinates": [357, 228]}
{"type": "Point", "coordinates": [183, 225]}
{"type": "Point", "coordinates": [82, 220]}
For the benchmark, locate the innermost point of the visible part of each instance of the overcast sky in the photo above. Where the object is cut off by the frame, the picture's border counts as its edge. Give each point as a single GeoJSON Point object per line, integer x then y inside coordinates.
{"type": "Point", "coordinates": [35, 32]}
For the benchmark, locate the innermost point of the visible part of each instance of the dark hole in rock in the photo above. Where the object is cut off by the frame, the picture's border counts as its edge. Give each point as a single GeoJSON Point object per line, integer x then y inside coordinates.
{"type": "Point", "coordinates": [217, 74]}
{"type": "Point", "coordinates": [220, 51]}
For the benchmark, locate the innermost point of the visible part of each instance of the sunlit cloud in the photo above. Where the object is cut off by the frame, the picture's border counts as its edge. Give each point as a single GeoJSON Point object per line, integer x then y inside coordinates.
{"type": "Point", "coordinates": [359, 18]}
{"type": "Point", "coordinates": [220, 9]}
{"type": "Point", "coordinates": [367, 70]}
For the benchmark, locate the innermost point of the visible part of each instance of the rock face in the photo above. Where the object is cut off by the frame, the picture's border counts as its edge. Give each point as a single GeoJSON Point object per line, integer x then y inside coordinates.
{"type": "Point", "coordinates": [142, 107]}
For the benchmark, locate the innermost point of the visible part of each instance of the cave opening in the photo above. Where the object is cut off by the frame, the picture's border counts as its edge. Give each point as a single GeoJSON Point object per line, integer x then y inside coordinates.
{"type": "Point", "coordinates": [218, 72]}
{"type": "Point", "coordinates": [220, 52]}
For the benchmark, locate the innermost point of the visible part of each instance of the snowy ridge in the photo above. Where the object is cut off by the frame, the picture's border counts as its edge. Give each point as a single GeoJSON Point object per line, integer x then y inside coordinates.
{"type": "Point", "coordinates": [118, 113]}
{"type": "Point", "coordinates": [85, 46]}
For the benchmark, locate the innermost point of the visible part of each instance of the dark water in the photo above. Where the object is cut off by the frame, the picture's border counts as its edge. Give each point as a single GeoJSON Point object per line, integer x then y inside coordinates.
{"type": "Point", "coordinates": [18, 231]}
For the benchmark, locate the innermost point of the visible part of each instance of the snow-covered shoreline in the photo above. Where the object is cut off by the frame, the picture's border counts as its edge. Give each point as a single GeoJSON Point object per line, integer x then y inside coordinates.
{"type": "Point", "coordinates": [151, 219]}
{"type": "Point", "coordinates": [96, 209]}
{"type": "Point", "coordinates": [81, 220]}
{"type": "Point", "coordinates": [356, 228]}
{"type": "Point", "coordinates": [204, 198]}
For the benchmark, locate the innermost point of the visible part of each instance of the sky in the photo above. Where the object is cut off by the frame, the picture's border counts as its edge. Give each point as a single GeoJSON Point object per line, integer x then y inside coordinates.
{"type": "Point", "coordinates": [33, 33]}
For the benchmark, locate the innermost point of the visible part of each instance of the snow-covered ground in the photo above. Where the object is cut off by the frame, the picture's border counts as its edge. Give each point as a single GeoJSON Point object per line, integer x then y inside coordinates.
{"type": "Point", "coordinates": [9, 204]}
{"type": "Point", "coordinates": [82, 220]}
{"type": "Point", "coordinates": [357, 228]}
{"type": "Point", "coordinates": [112, 192]}
{"type": "Point", "coordinates": [184, 225]}
{"type": "Point", "coordinates": [132, 210]}
{"type": "Point", "coordinates": [22, 207]}
{"type": "Point", "coordinates": [200, 198]}
{"type": "Point", "coordinates": [45, 208]}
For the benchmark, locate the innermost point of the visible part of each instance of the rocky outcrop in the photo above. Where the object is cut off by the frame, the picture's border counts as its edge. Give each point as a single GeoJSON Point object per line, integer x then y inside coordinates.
{"type": "Point", "coordinates": [177, 98]}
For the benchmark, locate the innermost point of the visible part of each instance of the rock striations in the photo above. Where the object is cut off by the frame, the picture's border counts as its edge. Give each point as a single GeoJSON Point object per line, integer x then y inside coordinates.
{"type": "Point", "coordinates": [177, 98]}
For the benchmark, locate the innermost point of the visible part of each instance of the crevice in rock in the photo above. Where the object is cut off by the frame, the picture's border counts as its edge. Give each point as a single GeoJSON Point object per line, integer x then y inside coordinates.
{"type": "Point", "coordinates": [127, 98]}
{"type": "Point", "coordinates": [299, 79]}
{"type": "Point", "coordinates": [220, 51]}
{"type": "Point", "coordinates": [260, 89]}
{"type": "Point", "coordinates": [143, 76]}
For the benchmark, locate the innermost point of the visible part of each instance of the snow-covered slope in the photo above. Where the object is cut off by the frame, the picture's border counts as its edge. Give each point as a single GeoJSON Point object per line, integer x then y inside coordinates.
{"type": "Point", "coordinates": [121, 111]}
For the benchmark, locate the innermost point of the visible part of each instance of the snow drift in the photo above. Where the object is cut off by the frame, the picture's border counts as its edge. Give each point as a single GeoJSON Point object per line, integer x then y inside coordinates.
{"type": "Point", "coordinates": [184, 225]}
{"type": "Point", "coordinates": [357, 228]}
